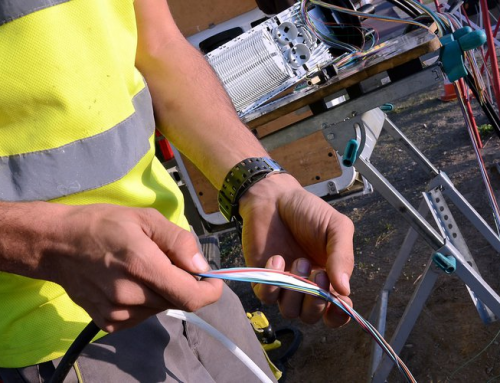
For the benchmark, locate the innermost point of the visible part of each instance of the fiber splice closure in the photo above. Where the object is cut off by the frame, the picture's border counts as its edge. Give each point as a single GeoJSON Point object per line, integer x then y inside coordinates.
{"type": "Point", "coordinates": [455, 44]}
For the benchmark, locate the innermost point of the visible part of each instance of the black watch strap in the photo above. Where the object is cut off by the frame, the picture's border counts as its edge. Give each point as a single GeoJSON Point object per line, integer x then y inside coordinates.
{"type": "Point", "coordinates": [239, 179]}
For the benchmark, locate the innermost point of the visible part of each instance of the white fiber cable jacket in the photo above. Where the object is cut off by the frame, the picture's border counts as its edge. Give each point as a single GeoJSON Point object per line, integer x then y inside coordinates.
{"type": "Point", "coordinates": [262, 275]}
{"type": "Point", "coordinates": [194, 319]}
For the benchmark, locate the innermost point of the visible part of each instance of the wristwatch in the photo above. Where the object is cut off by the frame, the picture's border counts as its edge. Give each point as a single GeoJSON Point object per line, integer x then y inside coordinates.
{"type": "Point", "coordinates": [239, 179]}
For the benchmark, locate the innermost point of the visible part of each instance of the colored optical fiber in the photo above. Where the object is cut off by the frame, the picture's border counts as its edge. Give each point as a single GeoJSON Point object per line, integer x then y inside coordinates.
{"type": "Point", "coordinates": [364, 15]}
{"type": "Point", "coordinates": [295, 283]}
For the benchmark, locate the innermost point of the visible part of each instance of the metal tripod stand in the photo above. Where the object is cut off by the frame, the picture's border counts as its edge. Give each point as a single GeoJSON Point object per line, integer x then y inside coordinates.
{"type": "Point", "coordinates": [450, 253]}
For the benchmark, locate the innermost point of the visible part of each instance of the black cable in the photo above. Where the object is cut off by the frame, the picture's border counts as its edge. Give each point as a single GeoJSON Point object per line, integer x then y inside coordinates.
{"type": "Point", "coordinates": [486, 106]}
{"type": "Point", "coordinates": [280, 358]}
{"type": "Point", "coordinates": [407, 7]}
{"type": "Point", "coordinates": [82, 340]}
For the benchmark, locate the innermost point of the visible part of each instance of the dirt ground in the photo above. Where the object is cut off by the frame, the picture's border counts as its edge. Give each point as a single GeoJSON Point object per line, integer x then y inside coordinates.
{"type": "Point", "coordinates": [449, 342]}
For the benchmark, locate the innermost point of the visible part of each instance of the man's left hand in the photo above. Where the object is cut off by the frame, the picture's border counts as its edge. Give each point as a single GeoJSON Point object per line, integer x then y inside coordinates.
{"type": "Point", "coordinates": [287, 228]}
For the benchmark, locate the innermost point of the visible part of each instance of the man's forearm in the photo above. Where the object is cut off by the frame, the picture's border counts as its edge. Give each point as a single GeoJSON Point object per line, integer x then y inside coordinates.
{"type": "Point", "coordinates": [27, 229]}
{"type": "Point", "coordinates": [191, 107]}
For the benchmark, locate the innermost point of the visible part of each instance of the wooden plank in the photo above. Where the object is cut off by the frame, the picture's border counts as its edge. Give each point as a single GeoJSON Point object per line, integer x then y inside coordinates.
{"type": "Point", "coordinates": [193, 16]}
{"type": "Point", "coordinates": [396, 52]}
{"type": "Point", "coordinates": [311, 160]}
{"type": "Point", "coordinates": [283, 122]}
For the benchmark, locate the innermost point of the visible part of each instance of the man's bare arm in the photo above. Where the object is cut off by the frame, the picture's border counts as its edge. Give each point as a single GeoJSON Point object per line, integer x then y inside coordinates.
{"type": "Point", "coordinates": [285, 227]}
{"type": "Point", "coordinates": [191, 107]}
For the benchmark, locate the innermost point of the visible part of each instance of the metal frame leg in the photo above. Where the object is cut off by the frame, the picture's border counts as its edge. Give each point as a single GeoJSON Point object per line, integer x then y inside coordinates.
{"type": "Point", "coordinates": [381, 366]}
{"type": "Point", "coordinates": [379, 312]}
{"type": "Point", "coordinates": [448, 189]}
{"type": "Point", "coordinates": [465, 272]}
{"type": "Point", "coordinates": [412, 216]}
{"type": "Point", "coordinates": [408, 321]}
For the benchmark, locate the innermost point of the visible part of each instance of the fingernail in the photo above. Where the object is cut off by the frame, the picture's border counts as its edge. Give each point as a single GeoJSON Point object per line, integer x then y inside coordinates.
{"type": "Point", "coordinates": [199, 263]}
{"type": "Point", "coordinates": [277, 262]}
{"type": "Point", "coordinates": [345, 283]}
{"type": "Point", "coordinates": [303, 267]}
{"type": "Point", "coordinates": [321, 279]}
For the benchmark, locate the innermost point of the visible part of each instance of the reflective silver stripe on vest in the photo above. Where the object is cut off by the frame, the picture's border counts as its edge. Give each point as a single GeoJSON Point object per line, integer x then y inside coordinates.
{"type": "Point", "coordinates": [14, 9]}
{"type": "Point", "coordinates": [82, 165]}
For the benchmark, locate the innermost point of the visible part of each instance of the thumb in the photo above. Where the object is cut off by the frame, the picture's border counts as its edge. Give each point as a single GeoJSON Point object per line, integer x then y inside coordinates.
{"type": "Point", "coordinates": [179, 245]}
{"type": "Point", "coordinates": [340, 262]}
{"type": "Point", "coordinates": [341, 274]}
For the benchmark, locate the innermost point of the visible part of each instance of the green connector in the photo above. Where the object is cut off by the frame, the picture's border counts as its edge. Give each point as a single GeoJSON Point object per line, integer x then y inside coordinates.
{"type": "Point", "coordinates": [350, 153]}
{"type": "Point", "coordinates": [446, 263]}
{"type": "Point", "coordinates": [387, 107]}
{"type": "Point", "coordinates": [454, 45]}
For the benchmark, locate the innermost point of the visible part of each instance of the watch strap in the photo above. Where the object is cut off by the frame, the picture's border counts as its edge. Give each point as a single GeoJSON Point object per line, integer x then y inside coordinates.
{"type": "Point", "coordinates": [239, 179]}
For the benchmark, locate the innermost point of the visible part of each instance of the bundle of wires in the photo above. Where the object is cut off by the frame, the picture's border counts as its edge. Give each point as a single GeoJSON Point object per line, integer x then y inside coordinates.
{"type": "Point", "coordinates": [313, 23]}
{"type": "Point", "coordinates": [295, 283]}
{"type": "Point", "coordinates": [325, 31]}
{"type": "Point", "coordinates": [475, 82]}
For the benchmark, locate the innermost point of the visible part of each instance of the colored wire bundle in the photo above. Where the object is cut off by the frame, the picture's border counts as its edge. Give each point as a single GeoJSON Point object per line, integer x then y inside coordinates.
{"type": "Point", "coordinates": [310, 23]}
{"type": "Point", "coordinates": [325, 31]}
{"type": "Point", "coordinates": [295, 283]}
{"type": "Point", "coordinates": [476, 82]}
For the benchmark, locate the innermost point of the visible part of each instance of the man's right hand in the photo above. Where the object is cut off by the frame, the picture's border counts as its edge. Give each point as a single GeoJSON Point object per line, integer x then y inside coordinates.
{"type": "Point", "coordinates": [120, 264]}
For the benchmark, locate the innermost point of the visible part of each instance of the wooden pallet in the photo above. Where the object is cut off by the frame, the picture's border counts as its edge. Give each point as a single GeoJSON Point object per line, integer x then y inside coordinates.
{"type": "Point", "coordinates": [194, 16]}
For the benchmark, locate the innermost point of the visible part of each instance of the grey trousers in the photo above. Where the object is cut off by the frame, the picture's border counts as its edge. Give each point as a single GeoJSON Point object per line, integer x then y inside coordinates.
{"type": "Point", "coordinates": [164, 349]}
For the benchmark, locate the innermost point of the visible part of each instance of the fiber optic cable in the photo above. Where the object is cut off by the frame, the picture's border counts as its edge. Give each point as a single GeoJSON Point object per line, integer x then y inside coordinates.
{"type": "Point", "coordinates": [475, 81]}
{"type": "Point", "coordinates": [295, 283]}
{"type": "Point", "coordinates": [235, 350]}
{"type": "Point", "coordinates": [484, 174]}
{"type": "Point", "coordinates": [330, 39]}
{"type": "Point", "coordinates": [407, 8]}
{"type": "Point", "coordinates": [437, 17]}
{"type": "Point", "coordinates": [361, 14]}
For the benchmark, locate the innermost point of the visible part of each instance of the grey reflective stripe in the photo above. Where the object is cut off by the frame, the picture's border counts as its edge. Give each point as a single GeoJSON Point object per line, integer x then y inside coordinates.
{"type": "Point", "coordinates": [82, 165]}
{"type": "Point", "coordinates": [14, 9]}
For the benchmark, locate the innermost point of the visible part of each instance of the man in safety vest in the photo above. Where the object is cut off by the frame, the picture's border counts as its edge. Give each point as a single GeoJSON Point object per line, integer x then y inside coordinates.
{"type": "Point", "coordinates": [91, 225]}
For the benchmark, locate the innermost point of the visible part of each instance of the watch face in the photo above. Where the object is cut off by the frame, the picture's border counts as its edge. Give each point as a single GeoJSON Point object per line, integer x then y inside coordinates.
{"type": "Point", "coordinates": [272, 164]}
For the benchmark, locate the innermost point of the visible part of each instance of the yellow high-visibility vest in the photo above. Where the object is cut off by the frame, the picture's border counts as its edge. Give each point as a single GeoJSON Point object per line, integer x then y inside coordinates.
{"type": "Point", "coordinates": [76, 127]}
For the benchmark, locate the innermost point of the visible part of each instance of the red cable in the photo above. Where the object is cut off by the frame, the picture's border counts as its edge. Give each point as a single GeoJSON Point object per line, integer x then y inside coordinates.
{"type": "Point", "coordinates": [491, 48]}
{"type": "Point", "coordinates": [487, 55]}
{"type": "Point", "coordinates": [438, 6]}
